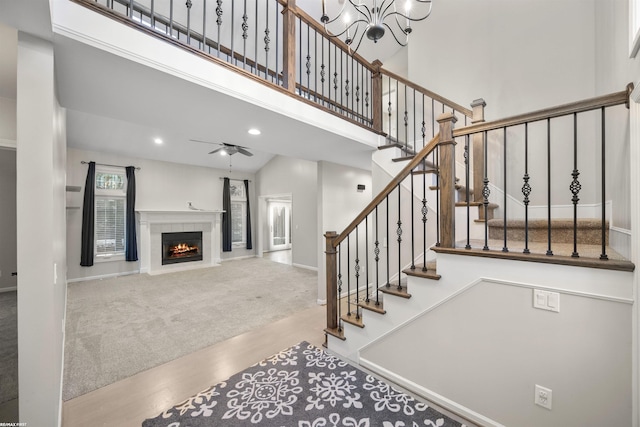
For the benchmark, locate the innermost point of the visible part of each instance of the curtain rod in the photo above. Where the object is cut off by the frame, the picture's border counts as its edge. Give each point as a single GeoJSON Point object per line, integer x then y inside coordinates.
{"type": "Point", "coordinates": [233, 179]}
{"type": "Point", "coordinates": [105, 164]}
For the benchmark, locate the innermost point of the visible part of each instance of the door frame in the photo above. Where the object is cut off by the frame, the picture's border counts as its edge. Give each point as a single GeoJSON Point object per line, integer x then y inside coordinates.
{"type": "Point", "coordinates": [263, 219]}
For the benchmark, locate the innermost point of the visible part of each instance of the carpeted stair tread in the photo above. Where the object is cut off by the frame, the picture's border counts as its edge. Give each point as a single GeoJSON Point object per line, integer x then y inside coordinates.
{"type": "Point", "coordinates": [391, 145]}
{"type": "Point", "coordinates": [479, 204]}
{"type": "Point", "coordinates": [372, 306]}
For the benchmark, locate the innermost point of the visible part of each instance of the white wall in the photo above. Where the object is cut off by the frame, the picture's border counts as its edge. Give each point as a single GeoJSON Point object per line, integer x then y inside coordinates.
{"type": "Point", "coordinates": [495, 50]}
{"type": "Point", "coordinates": [7, 218]}
{"type": "Point", "coordinates": [339, 202]}
{"type": "Point", "coordinates": [41, 254]}
{"type": "Point", "coordinates": [159, 186]}
{"type": "Point", "coordinates": [285, 175]}
{"type": "Point", "coordinates": [496, 347]}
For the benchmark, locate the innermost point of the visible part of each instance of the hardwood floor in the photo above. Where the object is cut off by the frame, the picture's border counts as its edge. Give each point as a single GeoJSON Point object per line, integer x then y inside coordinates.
{"type": "Point", "coordinates": [147, 394]}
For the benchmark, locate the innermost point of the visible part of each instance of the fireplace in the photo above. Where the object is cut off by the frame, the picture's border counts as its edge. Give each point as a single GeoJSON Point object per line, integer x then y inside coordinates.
{"type": "Point", "coordinates": [181, 247]}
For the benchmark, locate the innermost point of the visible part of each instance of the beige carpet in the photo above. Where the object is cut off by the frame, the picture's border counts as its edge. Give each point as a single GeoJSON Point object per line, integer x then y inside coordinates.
{"type": "Point", "coordinates": [118, 327]}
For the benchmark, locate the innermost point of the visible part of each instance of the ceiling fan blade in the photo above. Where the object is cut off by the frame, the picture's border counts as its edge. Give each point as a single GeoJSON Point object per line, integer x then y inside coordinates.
{"type": "Point", "coordinates": [205, 142]}
{"type": "Point", "coordinates": [241, 150]}
{"type": "Point", "coordinates": [216, 150]}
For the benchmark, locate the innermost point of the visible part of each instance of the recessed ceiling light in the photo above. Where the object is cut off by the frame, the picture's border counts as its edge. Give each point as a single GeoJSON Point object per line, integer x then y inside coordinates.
{"type": "Point", "coordinates": [254, 131]}
{"type": "Point", "coordinates": [157, 141]}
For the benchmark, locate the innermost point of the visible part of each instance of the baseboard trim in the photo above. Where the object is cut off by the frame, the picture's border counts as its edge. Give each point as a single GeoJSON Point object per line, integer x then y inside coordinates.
{"type": "Point", "coordinates": [11, 289]}
{"type": "Point", "coordinates": [425, 393]}
{"type": "Point", "coordinates": [306, 267]}
{"type": "Point", "coordinates": [103, 276]}
{"type": "Point", "coordinates": [321, 301]}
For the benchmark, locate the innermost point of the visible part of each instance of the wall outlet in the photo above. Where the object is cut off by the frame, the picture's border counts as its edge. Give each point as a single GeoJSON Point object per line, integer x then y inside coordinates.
{"type": "Point", "coordinates": [546, 300]}
{"type": "Point", "coordinates": [543, 396]}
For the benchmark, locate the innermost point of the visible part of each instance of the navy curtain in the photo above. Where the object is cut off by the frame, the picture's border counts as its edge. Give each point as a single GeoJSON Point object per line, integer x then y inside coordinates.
{"type": "Point", "coordinates": [246, 191]}
{"type": "Point", "coordinates": [131, 247]}
{"type": "Point", "coordinates": [87, 247]}
{"type": "Point", "coordinates": [226, 216]}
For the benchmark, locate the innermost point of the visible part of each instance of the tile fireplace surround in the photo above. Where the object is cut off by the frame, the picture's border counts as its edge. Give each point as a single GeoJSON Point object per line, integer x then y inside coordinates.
{"type": "Point", "coordinates": [155, 222]}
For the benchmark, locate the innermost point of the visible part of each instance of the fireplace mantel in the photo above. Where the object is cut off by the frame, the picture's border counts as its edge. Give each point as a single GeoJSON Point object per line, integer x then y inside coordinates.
{"type": "Point", "coordinates": [153, 223]}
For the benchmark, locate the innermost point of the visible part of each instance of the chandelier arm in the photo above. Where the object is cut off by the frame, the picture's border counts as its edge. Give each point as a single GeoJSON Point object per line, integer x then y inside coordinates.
{"type": "Point", "coordinates": [394, 34]}
{"type": "Point", "coordinates": [395, 12]}
{"type": "Point", "coordinates": [383, 13]}
{"type": "Point", "coordinates": [349, 27]}
{"type": "Point", "coordinates": [359, 41]}
{"type": "Point", "coordinates": [408, 17]}
{"type": "Point", "coordinates": [358, 7]}
{"type": "Point", "coordinates": [338, 15]}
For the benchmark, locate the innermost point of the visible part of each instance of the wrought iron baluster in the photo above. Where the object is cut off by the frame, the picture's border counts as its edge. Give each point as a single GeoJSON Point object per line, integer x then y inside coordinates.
{"type": "Point", "coordinates": [349, 274]}
{"type": "Point", "coordinates": [322, 67]}
{"type": "Point", "coordinates": [188, 4]}
{"type": "Point", "coordinates": [357, 270]}
{"type": "Point", "coordinates": [485, 194]}
{"type": "Point", "coordinates": [266, 42]}
{"type": "Point", "coordinates": [603, 256]}
{"type": "Point", "coordinates": [152, 16]}
{"type": "Point", "coordinates": [424, 210]}
{"type": "Point", "coordinates": [170, 18]}
{"type": "Point", "coordinates": [335, 76]}
{"type": "Point", "coordinates": [346, 87]}
{"type": "Point", "coordinates": [413, 254]}
{"type": "Point", "coordinates": [218, 23]}
{"type": "Point", "coordinates": [342, 73]}
{"type": "Point", "coordinates": [255, 42]}
{"type": "Point", "coordinates": [352, 82]}
{"type": "Point", "coordinates": [340, 287]}
{"type": "Point", "coordinates": [433, 118]}
{"type": "Point", "coordinates": [549, 251]}
{"type": "Point", "coordinates": [204, 26]}
{"type": "Point", "coordinates": [389, 110]}
{"type": "Point", "coordinates": [406, 122]}
{"type": "Point", "coordinates": [399, 233]}
{"type": "Point", "coordinates": [466, 183]}
{"type": "Point", "coordinates": [504, 155]}
{"type": "Point", "coordinates": [308, 63]}
{"type": "Point", "coordinates": [397, 113]}
{"type": "Point", "coordinates": [413, 122]}
{"type": "Point", "coordinates": [358, 81]}
{"type": "Point", "coordinates": [376, 252]}
{"type": "Point", "coordinates": [315, 65]}
{"type": "Point", "coordinates": [276, 74]}
{"type": "Point", "coordinates": [388, 284]}
{"type": "Point", "coordinates": [575, 186]}
{"type": "Point", "coordinates": [366, 94]}
{"type": "Point", "coordinates": [233, 23]}
{"type": "Point", "coordinates": [366, 259]}
{"type": "Point", "coordinates": [526, 188]}
{"type": "Point", "coordinates": [437, 156]}
{"type": "Point", "coordinates": [245, 34]}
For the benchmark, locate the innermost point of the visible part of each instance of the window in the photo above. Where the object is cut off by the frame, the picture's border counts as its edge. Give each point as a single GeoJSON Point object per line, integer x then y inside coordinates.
{"type": "Point", "coordinates": [110, 212]}
{"type": "Point", "coordinates": [238, 213]}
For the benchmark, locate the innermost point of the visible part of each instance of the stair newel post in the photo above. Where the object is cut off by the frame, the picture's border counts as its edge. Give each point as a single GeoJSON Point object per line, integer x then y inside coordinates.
{"type": "Point", "coordinates": [332, 283]}
{"type": "Point", "coordinates": [447, 180]}
{"type": "Point", "coordinates": [478, 150]}
{"type": "Point", "coordinates": [289, 46]}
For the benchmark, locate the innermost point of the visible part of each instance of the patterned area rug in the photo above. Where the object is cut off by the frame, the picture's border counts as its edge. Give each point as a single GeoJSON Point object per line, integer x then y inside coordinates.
{"type": "Point", "coordinates": [302, 386]}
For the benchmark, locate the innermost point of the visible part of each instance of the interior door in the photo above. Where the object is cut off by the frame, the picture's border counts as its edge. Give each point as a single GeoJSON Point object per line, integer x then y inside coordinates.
{"type": "Point", "coordinates": [279, 225]}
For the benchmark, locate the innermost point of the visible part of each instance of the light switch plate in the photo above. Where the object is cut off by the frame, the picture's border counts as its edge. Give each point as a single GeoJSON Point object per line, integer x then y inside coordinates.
{"type": "Point", "coordinates": [546, 300]}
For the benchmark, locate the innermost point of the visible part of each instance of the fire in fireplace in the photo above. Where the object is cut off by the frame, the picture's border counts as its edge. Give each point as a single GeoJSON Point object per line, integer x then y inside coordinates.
{"type": "Point", "coordinates": [181, 247]}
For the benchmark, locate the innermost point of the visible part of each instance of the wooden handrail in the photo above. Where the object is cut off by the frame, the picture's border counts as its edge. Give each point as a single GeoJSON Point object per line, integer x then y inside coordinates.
{"type": "Point", "coordinates": [467, 112]}
{"type": "Point", "coordinates": [406, 171]}
{"type": "Point", "coordinates": [610, 100]}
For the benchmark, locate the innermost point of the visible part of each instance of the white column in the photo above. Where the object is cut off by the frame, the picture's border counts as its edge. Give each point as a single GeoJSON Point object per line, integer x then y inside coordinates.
{"type": "Point", "coordinates": [40, 228]}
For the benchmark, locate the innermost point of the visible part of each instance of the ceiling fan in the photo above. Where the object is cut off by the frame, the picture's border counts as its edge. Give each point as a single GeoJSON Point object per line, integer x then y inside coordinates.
{"type": "Point", "coordinates": [227, 149]}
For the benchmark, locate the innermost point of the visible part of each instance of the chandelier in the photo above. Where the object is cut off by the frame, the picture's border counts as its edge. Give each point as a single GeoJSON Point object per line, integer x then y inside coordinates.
{"type": "Point", "coordinates": [373, 17]}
